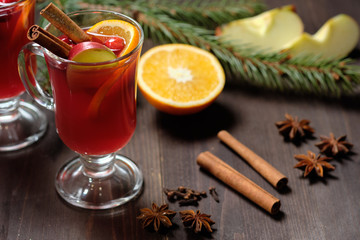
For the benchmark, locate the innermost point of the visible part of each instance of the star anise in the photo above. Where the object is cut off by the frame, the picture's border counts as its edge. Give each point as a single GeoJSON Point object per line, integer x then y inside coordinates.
{"type": "Point", "coordinates": [293, 128]}
{"type": "Point", "coordinates": [332, 146]}
{"type": "Point", "coordinates": [156, 215]}
{"type": "Point", "coordinates": [311, 162]}
{"type": "Point", "coordinates": [196, 220]}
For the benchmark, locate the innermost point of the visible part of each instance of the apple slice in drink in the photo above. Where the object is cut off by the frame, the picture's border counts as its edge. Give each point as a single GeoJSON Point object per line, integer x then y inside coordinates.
{"type": "Point", "coordinates": [83, 77]}
{"type": "Point", "coordinates": [100, 78]}
{"type": "Point", "coordinates": [122, 37]}
{"type": "Point", "coordinates": [90, 52]}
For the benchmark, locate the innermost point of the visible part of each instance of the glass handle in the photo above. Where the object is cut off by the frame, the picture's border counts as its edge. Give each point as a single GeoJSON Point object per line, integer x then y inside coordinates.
{"type": "Point", "coordinates": [28, 67]}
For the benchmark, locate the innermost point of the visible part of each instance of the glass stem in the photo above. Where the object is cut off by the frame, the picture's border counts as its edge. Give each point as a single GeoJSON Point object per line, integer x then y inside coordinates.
{"type": "Point", "coordinates": [9, 109]}
{"type": "Point", "coordinates": [99, 166]}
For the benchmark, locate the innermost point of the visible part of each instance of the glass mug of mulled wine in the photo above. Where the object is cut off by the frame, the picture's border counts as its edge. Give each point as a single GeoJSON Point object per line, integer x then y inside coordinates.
{"type": "Point", "coordinates": [21, 123]}
{"type": "Point", "coordinates": [95, 115]}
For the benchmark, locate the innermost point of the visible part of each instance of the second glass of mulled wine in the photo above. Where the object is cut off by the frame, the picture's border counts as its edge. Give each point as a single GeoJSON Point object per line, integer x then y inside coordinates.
{"type": "Point", "coordinates": [21, 123]}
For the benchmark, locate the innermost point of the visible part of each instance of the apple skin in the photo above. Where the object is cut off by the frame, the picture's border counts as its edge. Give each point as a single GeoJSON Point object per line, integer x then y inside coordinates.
{"type": "Point", "coordinates": [80, 77]}
{"type": "Point", "coordinates": [90, 52]}
{"type": "Point", "coordinates": [334, 40]}
{"type": "Point", "coordinates": [268, 31]}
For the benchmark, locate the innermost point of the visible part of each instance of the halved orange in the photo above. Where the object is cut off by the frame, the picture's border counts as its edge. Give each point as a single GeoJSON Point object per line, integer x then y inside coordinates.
{"type": "Point", "coordinates": [180, 79]}
{"type": "Point", "coordinates": [118, 28]}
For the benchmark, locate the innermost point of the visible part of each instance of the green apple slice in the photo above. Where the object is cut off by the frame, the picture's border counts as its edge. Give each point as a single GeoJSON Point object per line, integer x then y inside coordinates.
{"type": "Point", "coordinates": [90, 52]}
{"type": "Point", "coordinates": [87, 76]}
{"type": "Point", "coordinates": [269, 31]}
{"type": "Point", "coordinates": [335, 39]}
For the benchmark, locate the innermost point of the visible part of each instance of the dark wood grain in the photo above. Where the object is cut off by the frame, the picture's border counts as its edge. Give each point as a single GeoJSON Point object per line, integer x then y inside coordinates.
{"type": "Point", "coordinates": [165, 147]}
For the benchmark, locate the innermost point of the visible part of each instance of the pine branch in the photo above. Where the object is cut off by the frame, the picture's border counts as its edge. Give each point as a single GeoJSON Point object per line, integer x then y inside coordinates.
{"type": "Point", "coordinates": [270, 70]}
{"type": "Point", "coordinates": [208, 14]}
{"type": "Point", "coordinates": [306, 74]}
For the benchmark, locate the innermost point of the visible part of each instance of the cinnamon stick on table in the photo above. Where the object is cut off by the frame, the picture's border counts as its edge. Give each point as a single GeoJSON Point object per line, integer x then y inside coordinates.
{"type": "Point", "coordinates": [238, 182]}
{"type": "Point", "coordinates": [271, 174]}
{"type": "Point", "coordinates": [62, 22]}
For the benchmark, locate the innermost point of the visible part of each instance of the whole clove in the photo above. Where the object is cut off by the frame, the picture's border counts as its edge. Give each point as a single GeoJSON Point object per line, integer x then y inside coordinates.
{"type": "Point", "coordinates": [214, 194]}
{"type": "Point", "coordinates": [186, 196]}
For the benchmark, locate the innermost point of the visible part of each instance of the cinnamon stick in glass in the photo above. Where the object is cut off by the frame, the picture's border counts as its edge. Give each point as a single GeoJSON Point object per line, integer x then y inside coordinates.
{"type": "Point", "coordinates": [62, 22]}
{"type": "Point", "coordinates": [48, 41]}
{"type": "Point", "coordinates": [265, 169]}
{"type": "Point", "coordinates": [238, 182]}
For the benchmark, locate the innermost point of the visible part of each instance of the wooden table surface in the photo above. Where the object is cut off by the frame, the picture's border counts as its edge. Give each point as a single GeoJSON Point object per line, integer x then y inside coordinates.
{"type": "Point", "coordinates": [165, 147]}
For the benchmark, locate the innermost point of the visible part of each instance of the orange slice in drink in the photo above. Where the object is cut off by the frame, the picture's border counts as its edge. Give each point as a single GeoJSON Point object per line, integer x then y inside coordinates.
{"type": "Point", "coordinates": [116, 28]}
{"type": "Point", "coordinates": [180, 79]}
{"type": "Point", "coordinates": [22, 23]}
{"type": "Point", "coordinates": [102, 91]}
{"type": "Point", "coordinates": [102, 31]}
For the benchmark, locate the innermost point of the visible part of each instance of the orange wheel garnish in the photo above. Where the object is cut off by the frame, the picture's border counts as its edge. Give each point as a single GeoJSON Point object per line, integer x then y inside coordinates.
{"type": "Point", "coordinates": [102, 31]}
{"type": "Point", "coordinates": [117, 28]}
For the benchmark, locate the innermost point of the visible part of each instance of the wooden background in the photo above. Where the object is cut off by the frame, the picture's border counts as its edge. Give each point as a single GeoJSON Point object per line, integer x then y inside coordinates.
{"type": "Point", "coordinates": [165, 147]}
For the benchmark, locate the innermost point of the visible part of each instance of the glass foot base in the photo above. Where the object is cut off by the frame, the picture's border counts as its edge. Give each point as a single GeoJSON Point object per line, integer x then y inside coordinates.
{"type": "Point", "coordinates": [119, 186]}
{"type": "Point", "coordinates": [22, 128]}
